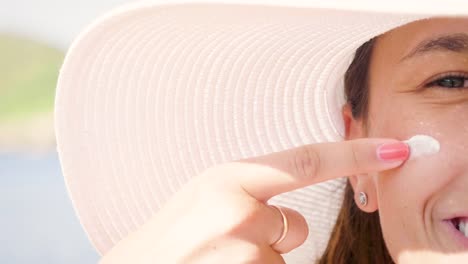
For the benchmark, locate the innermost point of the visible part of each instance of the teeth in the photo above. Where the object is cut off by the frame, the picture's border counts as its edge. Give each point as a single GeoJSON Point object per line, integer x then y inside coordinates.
{"type": "Point", "coordinates": [462, 228]}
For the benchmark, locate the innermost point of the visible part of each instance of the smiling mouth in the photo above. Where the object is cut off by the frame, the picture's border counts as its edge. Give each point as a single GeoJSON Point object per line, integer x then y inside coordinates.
{"type": "Point", "coordinates": [458, 229]}
{"type": "Point", "coordinates": [460, 225]}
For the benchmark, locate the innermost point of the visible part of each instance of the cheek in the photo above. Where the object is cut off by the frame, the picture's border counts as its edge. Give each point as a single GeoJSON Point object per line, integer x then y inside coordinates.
{"type": "Point", "coordinates": [408, 195]}
{"type": "Point", "coordinates": [417, 181]}
{"type": "Point", "coordinates": [408, 199]}
{"type": "Point", "coordinates": [408, 190]}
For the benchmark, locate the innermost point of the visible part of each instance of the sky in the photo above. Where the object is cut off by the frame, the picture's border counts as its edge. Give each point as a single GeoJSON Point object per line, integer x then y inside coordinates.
{"type": "Point", "coordinates": [55, 22]}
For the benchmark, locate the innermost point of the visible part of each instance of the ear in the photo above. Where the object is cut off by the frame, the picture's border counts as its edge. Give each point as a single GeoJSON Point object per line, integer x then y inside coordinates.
{"type": "Point", "coordinates": [355, 128]}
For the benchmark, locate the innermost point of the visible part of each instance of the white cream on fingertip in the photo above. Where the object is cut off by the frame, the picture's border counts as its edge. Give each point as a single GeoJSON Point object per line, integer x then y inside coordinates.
{"type": "Point", "coordinates": [421, 145]}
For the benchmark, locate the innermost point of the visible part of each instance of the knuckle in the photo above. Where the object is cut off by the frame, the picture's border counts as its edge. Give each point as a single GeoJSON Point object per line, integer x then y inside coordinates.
{"type": "Point", "coordinates": [306, 162]}
{"type": "Point", "coordinates": [234, 212]}
{"type": "Point", "coordinates": [210, 173]}
{"type": "Point", "coordinates": [244, 215]}
{"type": "Point", "coordinates": [205, 190]}
{"type": "Point", "coordinates": [211, 179]}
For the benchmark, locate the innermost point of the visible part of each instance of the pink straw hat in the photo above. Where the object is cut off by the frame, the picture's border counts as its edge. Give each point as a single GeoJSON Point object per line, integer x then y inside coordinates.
{"type": "Point", "coordinates": [151, 94]}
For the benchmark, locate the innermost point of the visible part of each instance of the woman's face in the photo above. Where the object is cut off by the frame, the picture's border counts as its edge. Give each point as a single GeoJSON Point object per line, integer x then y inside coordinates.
{"type": "Point", "coordinates": [419, 85]}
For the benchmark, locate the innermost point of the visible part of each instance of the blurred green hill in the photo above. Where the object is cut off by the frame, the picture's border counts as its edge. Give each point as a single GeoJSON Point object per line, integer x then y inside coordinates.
{"type": "Point", "coordinates": [28, 75]}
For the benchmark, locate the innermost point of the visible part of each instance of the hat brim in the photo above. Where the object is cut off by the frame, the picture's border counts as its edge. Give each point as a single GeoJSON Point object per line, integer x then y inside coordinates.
{"type": "Point", "coordinates": [151, 95]}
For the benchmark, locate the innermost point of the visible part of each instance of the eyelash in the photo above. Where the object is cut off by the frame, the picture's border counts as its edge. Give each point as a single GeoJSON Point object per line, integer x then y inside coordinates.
{"type": "Point", "coordinates": [448, 76]}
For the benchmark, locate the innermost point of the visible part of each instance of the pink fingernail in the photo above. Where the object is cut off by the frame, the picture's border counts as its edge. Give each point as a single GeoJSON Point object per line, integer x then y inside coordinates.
{"type": "Point", "coordinates": [393, 151]}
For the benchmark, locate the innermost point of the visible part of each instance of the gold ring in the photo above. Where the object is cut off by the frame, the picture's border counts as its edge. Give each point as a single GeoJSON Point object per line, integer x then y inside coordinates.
{"type": "Point", "coordinates": [285, 225]}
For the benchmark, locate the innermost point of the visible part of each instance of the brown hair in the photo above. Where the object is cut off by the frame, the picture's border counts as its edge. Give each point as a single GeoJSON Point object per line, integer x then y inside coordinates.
{"type": "Point", "coordinates": [357, 236]}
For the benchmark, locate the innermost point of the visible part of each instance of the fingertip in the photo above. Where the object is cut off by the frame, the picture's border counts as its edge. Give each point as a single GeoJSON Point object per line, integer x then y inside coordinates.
{"type": "Point", "coordinates": [394, 153]}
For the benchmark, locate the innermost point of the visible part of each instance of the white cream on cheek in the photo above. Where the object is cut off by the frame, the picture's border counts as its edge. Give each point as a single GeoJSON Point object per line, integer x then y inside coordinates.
{"type": "Point", "coordinates": [421, 145]}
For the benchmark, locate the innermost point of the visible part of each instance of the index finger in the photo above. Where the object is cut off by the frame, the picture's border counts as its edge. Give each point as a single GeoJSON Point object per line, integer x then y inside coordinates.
{"type": "Point", "coordinates": [266, 176]}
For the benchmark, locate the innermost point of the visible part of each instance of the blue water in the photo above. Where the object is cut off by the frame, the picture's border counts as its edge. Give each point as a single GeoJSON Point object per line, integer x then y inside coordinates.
{"type": "Point", "coordinates": [37, 221]}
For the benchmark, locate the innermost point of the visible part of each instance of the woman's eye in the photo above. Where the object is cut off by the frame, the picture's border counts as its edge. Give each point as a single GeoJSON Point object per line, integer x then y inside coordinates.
{"type": "Point", "coordinates": [451, 82]}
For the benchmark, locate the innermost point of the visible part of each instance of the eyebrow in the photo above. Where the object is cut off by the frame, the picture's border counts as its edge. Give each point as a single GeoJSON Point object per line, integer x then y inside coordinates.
{"type": "Point", "coordinates": [454, 42]}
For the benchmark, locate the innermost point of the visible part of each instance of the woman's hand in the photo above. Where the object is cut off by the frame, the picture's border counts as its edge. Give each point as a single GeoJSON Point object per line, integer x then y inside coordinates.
{"type": "Point", "coordinates": [222, 215]}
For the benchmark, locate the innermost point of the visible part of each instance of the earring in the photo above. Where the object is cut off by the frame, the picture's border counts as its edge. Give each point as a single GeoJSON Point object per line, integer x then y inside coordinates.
{"type": "Point", "coordinates": [363, 198]}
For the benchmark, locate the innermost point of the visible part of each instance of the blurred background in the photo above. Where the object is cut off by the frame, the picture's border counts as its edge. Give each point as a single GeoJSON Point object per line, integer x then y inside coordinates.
{"type": "Point", "coordinates": [37, 223]}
